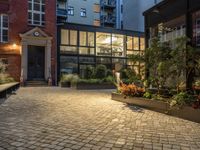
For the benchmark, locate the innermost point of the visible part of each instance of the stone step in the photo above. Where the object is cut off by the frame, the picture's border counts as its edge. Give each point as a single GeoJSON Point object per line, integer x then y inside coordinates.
{"type": "Point", "coordinates": [36, 83]}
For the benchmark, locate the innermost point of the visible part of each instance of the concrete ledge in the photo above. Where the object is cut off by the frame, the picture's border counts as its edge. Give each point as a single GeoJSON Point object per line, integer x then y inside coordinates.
{"type": "Point", "coordinates": [8, 88]}
{"type": "Point", "coordinates": [185, 112]}
{"type": "Point", "coordinates": [94, 86]}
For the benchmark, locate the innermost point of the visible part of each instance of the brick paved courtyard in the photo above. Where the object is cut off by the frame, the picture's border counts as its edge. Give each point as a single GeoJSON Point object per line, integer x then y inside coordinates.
{"type": "Point", "coordinates": [55, 118]}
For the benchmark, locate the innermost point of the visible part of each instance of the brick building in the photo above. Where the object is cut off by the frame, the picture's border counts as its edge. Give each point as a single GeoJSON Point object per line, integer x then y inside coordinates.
{"type": "Point", "coordinates": [28, 38]}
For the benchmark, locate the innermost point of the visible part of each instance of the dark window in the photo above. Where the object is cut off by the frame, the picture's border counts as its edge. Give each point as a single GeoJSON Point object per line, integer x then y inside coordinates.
{"type": "Point", "coordinates": [3, 28]}
{"type": "Point", "coordinates": [36, 12]}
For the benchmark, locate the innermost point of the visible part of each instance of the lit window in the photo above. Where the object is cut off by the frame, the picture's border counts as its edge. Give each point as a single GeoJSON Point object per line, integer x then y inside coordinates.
{"type": "Point", "coordinates": [83, 12]}
{"type": "Point", "coordinates": [36, 12]}
{"type": "Point", "coordinates": [70, 11]}
{"type": "Point", "coordinates": [142, 44]}
{"type": "Point", "coordinates": [3, 28]}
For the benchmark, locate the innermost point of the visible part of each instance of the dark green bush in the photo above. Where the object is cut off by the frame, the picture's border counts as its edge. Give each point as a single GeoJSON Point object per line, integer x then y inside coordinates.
{"type": "Point", "coordinates": [89, 72]}
{"type": "Point", "coordinates": [181, 99]}
{"type": "Point", "coordinates": [109, 73]}
{"type": "Point", "coordinates": [100, 72]}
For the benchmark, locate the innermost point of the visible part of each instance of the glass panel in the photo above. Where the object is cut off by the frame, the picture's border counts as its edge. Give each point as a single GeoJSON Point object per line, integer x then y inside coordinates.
{"type": "Point", "coordinates": [83, 38]}
{"type": "Point", "coordinates": [5, 21]}
{"type": "Point", "coordinates": [83, 70]}
{"type": "Point", "coordinates": [86, 60]}
{"type": "Point", "coordinates": [142, 44]}
{"type": "Point", "coordinates": [196, 28]}
{"type": "Point", "coordinates": [68, 50]}
{"type": "Point", "coordinates": [135, 43]}
{"type": "Point", "coordinates": [129, 42]}
{"type": "Point", "coordinates": [86, 50]}
{"type": "Point", "coordinates": [103, 44]}
{"type": "Point", "coordinates": [117, 45]}
{"type": "Point", "coordinates": [68, 64]}
{"type": "Point", "coordinates": [90, 39]}
{"type": "Point", "coordinates": [104, 60]}
{"type": "Point", "coordinates": [64, 37]}
{"type": "Point", "coordinates": [73, 37]}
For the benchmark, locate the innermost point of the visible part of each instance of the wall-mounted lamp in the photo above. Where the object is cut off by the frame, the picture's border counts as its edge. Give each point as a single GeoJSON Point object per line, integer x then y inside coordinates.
{"type": "Point", "coordinates": [14, 45]}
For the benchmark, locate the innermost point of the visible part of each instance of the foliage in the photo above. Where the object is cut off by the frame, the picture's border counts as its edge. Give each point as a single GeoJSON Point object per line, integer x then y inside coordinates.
{"type": "Point", "coordinates": [2, 67]}
{"type": "Point", "coordinates": [72, 78]}
{"type": "Point", "coordinates": [129, 76]}
{"type": "Point", "coordinates": [92, 81]}
{"type": "Point", "coordinates": [182, 99]}
{"type": "Point", "coordinates": [147, 95]}
{"type": "Point", "coordinates": [197, 83]}
{"type": "Point", "coordinates": [131, 90]}
{"type": "Point", "coordinates": [109, 73]}
{"type": "Point", "coordinates": [100, 72]}
{"type": "Point", "coordinates": [89, 72]}
{"type": "Point", "coordinates": [109, 79]}
{"type": "Point", "coordinates": [5, 78]}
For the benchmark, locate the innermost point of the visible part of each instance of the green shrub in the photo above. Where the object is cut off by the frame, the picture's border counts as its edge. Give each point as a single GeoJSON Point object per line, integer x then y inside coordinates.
{"type": "Point", "coordinates": [181, 99]}
{"type": "Point", "coordinates": [89, 72]}
{"type": "Point", "coordinates": [147, 95]}
{"type": "Point", "coordinates": [123, 74]}
{"type": "Point", "coordinates": [92, 81]}
{"type": "Point", "coordinates": [109, 73]}
{"type": "Point", "coordinates": [109, 79]}
{"type": "Point", "coordinates": [5, 78]}
{"type": "Point", "coordinates": [100, 72]}
{"type": "Point", "coordinates": [72, 78]}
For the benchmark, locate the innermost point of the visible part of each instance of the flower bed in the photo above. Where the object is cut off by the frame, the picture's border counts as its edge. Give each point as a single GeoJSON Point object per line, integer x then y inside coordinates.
{"type": "Point", "coordinates": [185, 112]}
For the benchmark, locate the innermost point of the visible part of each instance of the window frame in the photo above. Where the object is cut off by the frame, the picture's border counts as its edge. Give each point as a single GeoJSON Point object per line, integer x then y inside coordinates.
{"type": "Point", "coordinates": [71, 10]}
{"type": "Point", "coordinates": [83, 12]}
{"type": "Point", "coordinates": [41, 13]}
{"type": "Point", "coordinates": [2, 28]}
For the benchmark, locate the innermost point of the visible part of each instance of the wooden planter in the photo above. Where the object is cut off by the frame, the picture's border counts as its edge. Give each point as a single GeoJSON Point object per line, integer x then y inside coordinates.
{"type": "Point", "coordinates": [65, 84]}
{"type": "Point", "coordinates": [94, 86]}
{"type": "Point", "coordinates": [185, 112]}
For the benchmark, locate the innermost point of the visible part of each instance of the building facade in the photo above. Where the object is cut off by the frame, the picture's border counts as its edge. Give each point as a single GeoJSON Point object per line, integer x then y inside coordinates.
{"type": "Point", "coordinates": [119, 14]}
{"type": "Point", "coordinates": [28, 38]}
{"type": "Point", "coordinates": [83, 45]}
{"type": "Point", "coordinates": [170, 20]}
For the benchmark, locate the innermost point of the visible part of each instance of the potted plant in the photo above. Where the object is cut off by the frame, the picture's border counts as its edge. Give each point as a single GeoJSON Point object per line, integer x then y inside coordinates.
{"type": "Point", "coordinates": [196, 87]}
{"type": "Point", "coordinates": [65, 80]}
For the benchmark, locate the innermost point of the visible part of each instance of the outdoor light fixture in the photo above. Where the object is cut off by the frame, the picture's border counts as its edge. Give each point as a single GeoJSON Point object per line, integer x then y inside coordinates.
{"type": "Point", "coordinates": [14, 45]}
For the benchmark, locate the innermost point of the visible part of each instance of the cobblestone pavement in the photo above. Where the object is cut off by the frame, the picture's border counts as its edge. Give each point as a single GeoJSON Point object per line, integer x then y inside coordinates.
{"type": "Point", "coordinates": [55, 118]}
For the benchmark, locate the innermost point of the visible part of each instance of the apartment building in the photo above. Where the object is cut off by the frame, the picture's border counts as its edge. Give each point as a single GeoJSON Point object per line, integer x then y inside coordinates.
{"type": "Point", "coordinates": [119, 14]}
{"type": "Point", "coordinates": [28, 38]}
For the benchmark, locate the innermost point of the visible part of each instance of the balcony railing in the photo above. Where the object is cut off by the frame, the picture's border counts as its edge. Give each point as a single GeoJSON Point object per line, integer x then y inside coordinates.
{"type": "Point", "coordinates": [108, 19]}
{"type": "Point", "coordinates": [108, 3]}
{"type": "Point", "coordinates": [61, 12]}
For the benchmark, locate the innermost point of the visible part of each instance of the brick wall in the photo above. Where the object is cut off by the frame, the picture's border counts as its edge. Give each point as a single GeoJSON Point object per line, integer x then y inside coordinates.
{"type": "Point", "coordinates": [18, 23]}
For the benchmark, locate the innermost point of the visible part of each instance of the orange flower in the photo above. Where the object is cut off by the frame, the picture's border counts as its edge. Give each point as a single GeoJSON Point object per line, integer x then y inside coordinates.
{"type": "Point", "coordinates": [131, 90]}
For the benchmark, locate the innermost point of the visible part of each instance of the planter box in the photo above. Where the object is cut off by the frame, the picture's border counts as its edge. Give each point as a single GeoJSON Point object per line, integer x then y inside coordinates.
{"type": "Point", "coordinates": [186, 112]}
{"type": "Point", "coordinates": [65, 84]}
{"type": "Point", "coordinates": [94, 86]}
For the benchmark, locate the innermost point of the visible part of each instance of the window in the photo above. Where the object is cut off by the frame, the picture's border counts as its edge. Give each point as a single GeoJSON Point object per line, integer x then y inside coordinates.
{"type": "Point", "coordinates": [142, 44]}
{"type": "Point", "coordinates": [68, 64]}
{"type": "Point", "coordinates": [70, 11]}
{"type": "Point", "coordinates": [135, 43]}
{"type": "Point", "coordinates": [83, 12]}
{"type": "Point", "coordinates": [64, 37]}
{"type": "Point", "coordinates": [3, 28]}
{"type": "Point", "coordinates": [117, 45]}
{"type": "Point", "coordinates": [103, 44]}
{"type": "Point", "coordinates": [196, 28]}
{"type": "Point", "coordinates": [86, 42]}
{"type": "Point", "coordinates": [36, 12]}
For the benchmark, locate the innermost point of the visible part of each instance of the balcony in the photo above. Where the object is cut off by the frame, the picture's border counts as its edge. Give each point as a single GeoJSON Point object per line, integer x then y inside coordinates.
{"type": "Point", "coordinates": [61, 12]}
{"type": "Point", "coordinates": [61, 15]}
{"type": "Point", "coordinates": [108, 4]}
{"type": "Point", "coordinates": [106, 19]}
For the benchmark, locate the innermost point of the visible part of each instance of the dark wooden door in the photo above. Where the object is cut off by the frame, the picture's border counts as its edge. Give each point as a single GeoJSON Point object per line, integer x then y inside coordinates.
{"type": "Point", "coordinates": [36, 62]}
